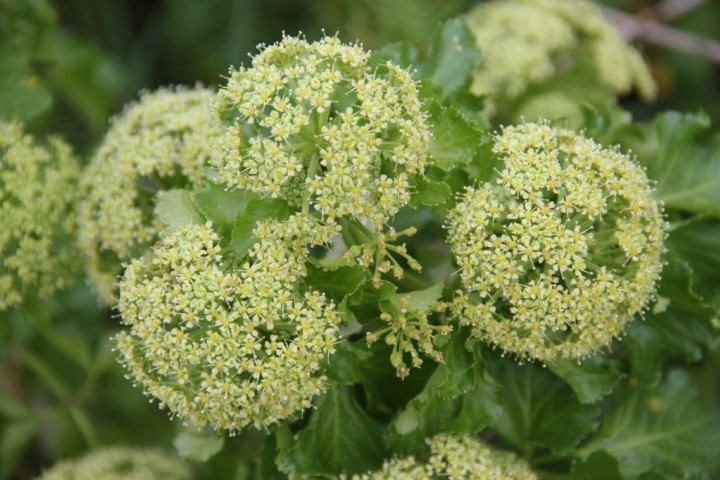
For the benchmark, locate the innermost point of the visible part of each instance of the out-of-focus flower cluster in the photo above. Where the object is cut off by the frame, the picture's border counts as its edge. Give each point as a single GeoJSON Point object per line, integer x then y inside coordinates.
{"type": "Point", "coordinates": [524, 42]}
{"type": "Point", "coordinates": [120, 463]}
{"type": "Point", "coordinates": [38, 186]}
{"type": "Point", "coordinates": [457, 457]}
{"type": "Point", "coordinates": [312, 123]}
{"type": "Point", "coordinates": [224, 348]}
{"type": "Point", "coordinates": [163, 141]}
{"type": "Point", "coordinates": [562, 251]}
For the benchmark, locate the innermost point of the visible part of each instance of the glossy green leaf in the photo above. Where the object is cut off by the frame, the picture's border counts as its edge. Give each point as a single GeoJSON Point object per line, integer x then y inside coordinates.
{"type": "Point", "coordinates": [176, 208]}
{"type": "Point", "coordinates": [198, 446]}
{"type": "Point", "coordinates": [256, 209]}
{"type": "Point", "coordinates": [455, 139]}
{"type": "Point", "coordinates": [429, 193]}
{"type": "Point", "coordinates": [598, 466]}
{"type": "Point", "coordinates": [664, 430]}
{"type": "Point", "coordinates": [591, 379]}
{"type": "Point", "coordinates": [222, 206]}
{"type": "Point", "coordinates": [417, 300]}
{"type": "Point", "coordinates": [325, 446]}
{"type": "Point", "coordinates": [534, 408]}
{"type": "Point", "coordinates": [453, 58]}
{"type": "Point", "coordinates": [400, 53]}
{"type": "Point", "coordinates": [338, 283]}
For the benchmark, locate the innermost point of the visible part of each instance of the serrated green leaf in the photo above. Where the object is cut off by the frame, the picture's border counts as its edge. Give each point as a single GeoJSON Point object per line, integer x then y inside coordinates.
{"type": "Point", "coordinates": [176, 208]}
{"type": "Point", "coordinates": [662, 430]}
{"type": "Point", "coordinates": [337, 283]}
{"type": "Point", "coordinates": [347, 365]}
{"type": "Point", "coordinates": [222, 206]}
{"type": "Point", "coordinates": [534, 408]}
{"type": "Point", "coordinates": [455, 139]}
{"type": "Point", "coordinates": [417, 300]}
{"type": "Point", "coordinates": [198, 446]}
{"type": "Point", "coordinates": [256, 209]}
{"type": "Point", "coordinates": [400, 53]}
{"type": "Point", "coordinates": [462, 368]}
{"type": "Point", "coordinates": [591, 380]}
{"type": "Point", "coordinates": [429, 193]}
{"type": "Point", "coordinates": [340, 437]}
{"type": "Point", "coordinates": [599, 465]}
{"type": "Point", "coordinates": [453, 58]}
{"type": "Point", "coordinates": [687, 174]}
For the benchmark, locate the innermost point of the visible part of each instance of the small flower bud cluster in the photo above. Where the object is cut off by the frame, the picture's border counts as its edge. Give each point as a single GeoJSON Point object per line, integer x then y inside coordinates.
{"type": "Point", "coordinates": [559, 254]}
{"type": "Point", "coordinates": [228, 349]}
{"type": "Point", "coordinates": [38, 188]}
{"type": "Point", "coordinates": [456, 457]}
{"type": "Point", "coordinates": [159, 143]}
{"type": "Point", "coordinates": [523, 42]}
{"type": "Point", "coordinates": [405, 329]}
{"type": "Point", "coordinates": [312, 123]}
{"type": "Point", "coordinates": [120, 463]}
{"type": "Point", "coordinates": [379, 251]}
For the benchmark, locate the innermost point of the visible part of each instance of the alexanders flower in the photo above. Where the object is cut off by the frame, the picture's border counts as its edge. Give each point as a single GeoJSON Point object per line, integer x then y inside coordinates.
{"type": "Point", "coordinates": [457, 457]}
{"type": "Point", "coordinates": [161, 142]}
{"type": "Point", "coordinates": [38, 190]}
{"type": "Point", "coordinates": [561, 251]}
{"type": "Point", "coordinates": [313, 123]}
{"type": "Point", "coordinates": [222, 346]}
{"type": "Point", "coordinates": [120, 463]}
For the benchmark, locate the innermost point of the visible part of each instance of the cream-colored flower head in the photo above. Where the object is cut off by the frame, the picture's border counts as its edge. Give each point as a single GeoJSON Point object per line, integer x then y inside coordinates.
{"type": "Point", "coordinates": [312, 123]}
{"type": "Point", "coordinates": [228, 347]}
{"type": "Point", "coordinates": [120, 463]}
{"type": "Point", "coordinates": [456, 457]}
{"type": "Point", "coordinates": [38, 189]}
{"type": "Point", "coordinates": [524, 42]}
{"type": "Point", "coordinates": [562, 251]}
{"type": "Point", "coordinates": [163, 141]}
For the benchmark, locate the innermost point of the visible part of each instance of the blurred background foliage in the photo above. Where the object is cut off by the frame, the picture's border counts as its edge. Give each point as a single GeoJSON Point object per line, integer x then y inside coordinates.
{"type": "Point", "coordinates": [67, 66]}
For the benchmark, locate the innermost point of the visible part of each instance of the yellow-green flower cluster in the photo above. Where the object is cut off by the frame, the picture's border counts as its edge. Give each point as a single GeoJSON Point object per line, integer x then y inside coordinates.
{"type": "Point", "coordinates": [314, 124]}
{"type": "Point", "coordinates": [38, 188]}
{"type": "Point", "coordinates": [562, 251]}
{"type": "Point", "coordinates": [524, 42]}
{"type": "Point", "coordinates": [163, 141]}
{"type": "Point", "coordinates": [228, 348]}
{"type": "Point", "coordinates": [120, 463]}
{"type": "Point", "coordinates": [456, 457]}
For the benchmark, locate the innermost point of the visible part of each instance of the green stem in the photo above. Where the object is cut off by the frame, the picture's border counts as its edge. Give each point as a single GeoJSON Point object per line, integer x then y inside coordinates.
{"type": "Point", "coordinates": [312, 168]}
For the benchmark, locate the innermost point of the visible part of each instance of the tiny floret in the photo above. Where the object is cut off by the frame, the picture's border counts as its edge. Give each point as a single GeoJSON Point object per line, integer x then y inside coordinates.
{"type": "Point", "coordinates": [456, 457]}
{"type": "Point", "coordinates": [228, 347]}
{"type": "Point", "coordinates": [161, 142]}
{"type": "Point", "coordinates": [311, 122]}
{"type": "Point", "coordinates": [561, 251]}
{"type": "Point", "coordinates": [524, 42]}
{"type": "Point", "coordinates": [38, 189]}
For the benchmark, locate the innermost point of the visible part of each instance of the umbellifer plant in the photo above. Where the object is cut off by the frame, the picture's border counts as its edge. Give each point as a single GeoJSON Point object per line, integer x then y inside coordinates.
{"type": "Point", "coordinates": [339, 265]}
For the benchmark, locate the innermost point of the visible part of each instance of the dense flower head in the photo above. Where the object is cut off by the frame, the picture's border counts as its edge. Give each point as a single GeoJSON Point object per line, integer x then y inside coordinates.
{"type": "Point", "coordinates": [523, 42]}
{"type": "Point", "coordinates": [120, 463]}
{"type": "Point", "coordinates": [38, 188]}
{"type": "Point", "coordinates": [160, 142]}
{"type": "Point", "coordinates": [560, 253]}
{"type": "Point", "coordinates": [311, 122]}
{"type": "Point", "coordinates": [228, 347]}
{"type": "Point", "coordinates": [456, 457]}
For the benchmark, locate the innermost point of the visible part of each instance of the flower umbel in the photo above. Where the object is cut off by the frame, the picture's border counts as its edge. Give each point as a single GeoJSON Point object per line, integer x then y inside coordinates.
{"type": "Point", "coordinates": [163, 141]}
{"type": "Point", "coordinates": [457, 457]}
{"type": "Point", "coordinates": [120, 463]}
{"type": "Point", "coordinates": [559, 254]}
{"type": "Point", "coordinates": [312, 123]}
{"type": "Point", "coordinates": [224, 348]}
{"type": "Point", "coordinates": [38, 188]}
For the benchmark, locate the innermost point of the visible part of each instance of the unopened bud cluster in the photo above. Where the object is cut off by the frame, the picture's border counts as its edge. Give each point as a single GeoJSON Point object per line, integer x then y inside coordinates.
{"type": "Point", "coordinates": [312, 123]}
{"type": "Point", "coordinates": [456, 457]}
{"type": "Point", "coordinates": [161, 142]}
{"type": "Point", "coordinates": [228, 348]}
{"type": "Point", "coordinates": [38, 185]}
{"type": "Point", "coordinates": [562, 251]}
